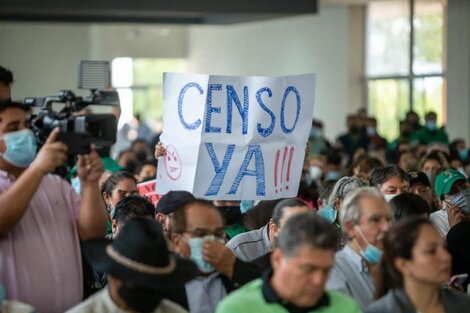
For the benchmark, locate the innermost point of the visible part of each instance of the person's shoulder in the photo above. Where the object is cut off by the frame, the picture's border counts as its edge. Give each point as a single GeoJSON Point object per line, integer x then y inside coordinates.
{"type": "Point", "coordinates": [342, 303]}
{"type": "Point", "coordinates": [167, 306]}
{"type": "Point", "coordinates": [455, 299]}
{"type": "Point", "coordinates": [246, 238]}
{"type": "Point", "coordinates": [246, 296]}
{"type": "Point", "coordinates": [98, 302]}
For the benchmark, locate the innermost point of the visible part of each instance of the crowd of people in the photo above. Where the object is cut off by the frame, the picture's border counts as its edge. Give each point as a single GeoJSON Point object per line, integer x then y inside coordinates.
{"type": "Point", "coordinates": [376, 226]}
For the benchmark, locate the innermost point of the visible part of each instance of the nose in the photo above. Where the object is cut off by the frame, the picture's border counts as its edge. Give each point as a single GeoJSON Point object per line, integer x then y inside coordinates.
{"type": "Point", "coordinates": [445, 255]}
{"type": "Point", "coordinates": [385, 225]}
{"type": "Point", "coordinates": [318, 278]}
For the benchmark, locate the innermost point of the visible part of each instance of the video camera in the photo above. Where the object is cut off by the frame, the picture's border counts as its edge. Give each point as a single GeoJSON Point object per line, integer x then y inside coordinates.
{"type": "Point", "coordinates": [78, 131]}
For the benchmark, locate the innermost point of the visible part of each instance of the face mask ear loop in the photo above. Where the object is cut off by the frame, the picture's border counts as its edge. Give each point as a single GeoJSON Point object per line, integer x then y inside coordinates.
{"type": "Point", "coordinates": [362, 236]}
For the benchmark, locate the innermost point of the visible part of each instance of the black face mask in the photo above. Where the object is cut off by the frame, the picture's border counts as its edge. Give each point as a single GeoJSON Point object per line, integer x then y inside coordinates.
{"type": "Point", "coordinates": [230, 213]}
{"type": "Point", "coordinates": [131, 166]}
{"type": "Point", "coordinates": [141, 156]}
{"type": "Point", "coordinates": [355, 129]}
{"type": "Point", "coordinates": [140, 299]}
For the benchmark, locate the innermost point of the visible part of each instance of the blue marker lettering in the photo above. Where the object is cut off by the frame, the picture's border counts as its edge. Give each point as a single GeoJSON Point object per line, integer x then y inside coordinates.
{"type": "Point", "coordinates": [211, 109]}
{"type": "Point", "coordinates": [283, 109]}
{"type": "Point", "coordinates": [233, 97]}
{"type": "Point", "coordinates": [197, 123]}
{"type": "Point", "coordinates": [265, 132]}
{"type": "Point", "coordinates": [219, 170]}
{"type": "Point", "coordinates": [258, 172]}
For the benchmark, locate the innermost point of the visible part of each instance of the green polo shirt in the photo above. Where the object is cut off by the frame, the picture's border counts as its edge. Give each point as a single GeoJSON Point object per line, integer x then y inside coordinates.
{"type": "Point", "coordinates": [250, 298]}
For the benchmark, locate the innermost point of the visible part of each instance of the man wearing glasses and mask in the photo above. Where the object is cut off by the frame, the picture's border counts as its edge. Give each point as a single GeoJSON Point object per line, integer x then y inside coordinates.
{"type": "Point", "coordinates": [193, 225]}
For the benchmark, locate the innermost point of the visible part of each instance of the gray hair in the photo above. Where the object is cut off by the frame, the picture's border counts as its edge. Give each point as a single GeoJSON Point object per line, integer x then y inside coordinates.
{"type": "Point", "coordinates": [344, 186]}
{"type": "Point", "coordinates": [307, 229]}
{"type": "Point", "coordinates": [350, 210]}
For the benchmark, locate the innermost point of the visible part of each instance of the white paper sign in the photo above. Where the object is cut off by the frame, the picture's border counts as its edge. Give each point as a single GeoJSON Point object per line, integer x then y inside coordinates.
{"type": "Point", "coordinates": [235, 138]}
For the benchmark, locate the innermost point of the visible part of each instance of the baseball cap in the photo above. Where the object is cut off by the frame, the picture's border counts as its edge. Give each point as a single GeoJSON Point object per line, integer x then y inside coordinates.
{"type": "Point", "coordinates": [414, 177]}
{"type": "Point", "coordinates": [172, 200]}
{"type": "Point", "coordinates": [445, 180]}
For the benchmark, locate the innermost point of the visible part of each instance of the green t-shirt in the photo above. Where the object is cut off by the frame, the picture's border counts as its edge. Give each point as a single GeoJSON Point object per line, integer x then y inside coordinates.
{"type": "Point", "coordinates": [235, 229]}
{"type": "Point", "coordinates": [250, 298]}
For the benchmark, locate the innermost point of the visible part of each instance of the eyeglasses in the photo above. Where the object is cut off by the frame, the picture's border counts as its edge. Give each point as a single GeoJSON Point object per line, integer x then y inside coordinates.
{"type": "Point", "coordinates": [202, 232]}
{"type": "Point", "coordinates": [456, 189]}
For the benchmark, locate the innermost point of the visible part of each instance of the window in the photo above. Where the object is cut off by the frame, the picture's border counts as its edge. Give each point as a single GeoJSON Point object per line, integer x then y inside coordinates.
{"type": "Point", "coordinates": [140, 86]}
{"type": "Point", "coordinates": [404, 61]}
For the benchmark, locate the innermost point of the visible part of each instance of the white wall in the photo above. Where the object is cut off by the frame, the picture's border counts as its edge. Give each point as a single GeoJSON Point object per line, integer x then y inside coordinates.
{"type": "Point", "coordinates": [458, 69]}
{"type": "Point", "coordinates": [44, 56]}
{"type": "Point", "coordinates": [288, 46]}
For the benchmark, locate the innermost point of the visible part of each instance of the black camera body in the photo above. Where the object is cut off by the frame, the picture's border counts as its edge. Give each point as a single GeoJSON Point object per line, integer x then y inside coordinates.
{"type": "Point", "coordinates": [76, 131]}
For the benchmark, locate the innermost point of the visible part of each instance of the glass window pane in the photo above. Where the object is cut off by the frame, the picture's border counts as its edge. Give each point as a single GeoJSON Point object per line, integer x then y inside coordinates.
{"type": "Point", "coordinates": [388, 33]}
{"type": "Point", "coordinates": [429, 37]}
{"type": "Point", "coordinates": [428, 96]}
{"type": "Point", "coordinates": [388, 102]}
{"type": "Point", "coordinates": [150, 71]}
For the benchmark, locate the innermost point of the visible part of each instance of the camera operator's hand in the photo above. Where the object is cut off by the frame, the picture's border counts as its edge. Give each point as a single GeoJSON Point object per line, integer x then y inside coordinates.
{"type": "Point", "coordinates": [89, 167]}
{"type": "Point", "coordinates": [52, 154]}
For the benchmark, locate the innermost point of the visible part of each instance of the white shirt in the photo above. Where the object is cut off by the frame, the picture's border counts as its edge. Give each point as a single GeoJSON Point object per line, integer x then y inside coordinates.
{"type": "Point", "coordinates": [441, 221]}
{"type": "Point", "coordinates": [102, 302]}
{"type": "Point", "coordinates": [204, 293]}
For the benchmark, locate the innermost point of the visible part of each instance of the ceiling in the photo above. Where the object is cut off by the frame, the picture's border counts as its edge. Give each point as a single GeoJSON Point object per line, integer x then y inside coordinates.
{"type": "Point", "coordinates": [153, 11]}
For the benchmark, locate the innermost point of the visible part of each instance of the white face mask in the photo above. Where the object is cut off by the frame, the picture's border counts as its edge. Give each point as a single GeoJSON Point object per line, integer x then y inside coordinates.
{"type": "Point", "coordinates": [315, 172]}
{"type": "Point", "coordinates": [388, 198]}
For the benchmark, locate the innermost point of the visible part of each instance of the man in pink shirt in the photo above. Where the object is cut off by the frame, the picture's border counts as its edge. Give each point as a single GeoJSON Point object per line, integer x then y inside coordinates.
{"type": "Point", "coordinates": [41, 217]}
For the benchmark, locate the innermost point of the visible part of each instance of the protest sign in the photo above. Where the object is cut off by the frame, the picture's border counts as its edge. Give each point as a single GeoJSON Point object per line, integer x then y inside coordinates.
{"type": "Point", "coordinates": [233, 138]}
{"type": "Point", "coordinates": [147, 189]}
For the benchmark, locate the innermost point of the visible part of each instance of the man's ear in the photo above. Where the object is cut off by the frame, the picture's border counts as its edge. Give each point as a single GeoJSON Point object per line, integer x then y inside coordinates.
{"type": "Point", "coordinates": [273, 229]}
{"type": "Point", "coordinates": [337, 204]}
{"type": "Point", "coordinates": [106, 197]}
{"type": "Point", "coordinates": [160, 217]}
{"type": "Point", "coordinates": [276, 258]}
{"type": "Point", "coordinates": [348, 228]}
{"type": "Point", "coordinates": [114, 227]}
{"type": "Point", "coordinates": [175, 242]}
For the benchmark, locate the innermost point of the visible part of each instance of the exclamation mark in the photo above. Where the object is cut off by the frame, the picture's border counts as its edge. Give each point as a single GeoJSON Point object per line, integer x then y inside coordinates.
{"type": "Point", "coordinates": [276, 164]}
{"type": "Point", "coordinates": [291, 154]}
{"type": "Point", "coordinates": [283, 163]}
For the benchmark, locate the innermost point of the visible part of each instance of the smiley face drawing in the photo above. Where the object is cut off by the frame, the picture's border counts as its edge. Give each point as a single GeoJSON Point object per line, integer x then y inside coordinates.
{"type": "Point", "coordinates": [172, 163]}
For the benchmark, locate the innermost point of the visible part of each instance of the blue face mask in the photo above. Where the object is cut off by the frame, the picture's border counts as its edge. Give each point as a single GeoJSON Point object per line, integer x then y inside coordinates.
{"type": "Point", "coordinates": [245, 205]}
{"type": "Point", "coordinates": [112, 211]}
{"type": "Point", "coordinates": [333, 175]}
{"type": "Point", "coordinates": [196, 254]}
{"type": "Point", "coordinates": [75, 182]}
{"type": "Point", "coordinates": [371, 254]}
{"type": "Point", "coordinates": [329, 213]}
{"type": "Point", "coordinates": [463, 154]}
{"type": "Point", "coordinates": [2, 294]}
{"type": "Point", "coordinates": [431, 125]}
{"type": "Point", "coordinates": [20, 148]}
{"type": "Point", "coordinates": [370, 131]}
{"type": "Point", "coordinates": [313, 132]}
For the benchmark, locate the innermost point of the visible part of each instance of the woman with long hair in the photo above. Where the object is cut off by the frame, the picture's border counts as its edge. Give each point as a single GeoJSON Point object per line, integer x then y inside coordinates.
{"type": "Point", "coordinates": [414, 267]}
